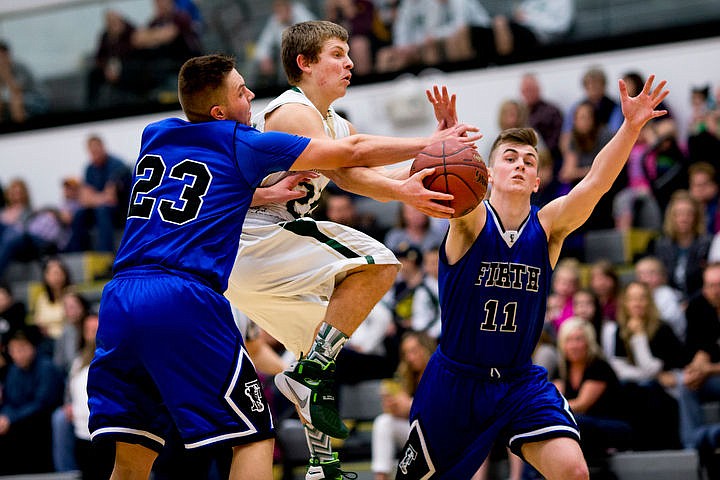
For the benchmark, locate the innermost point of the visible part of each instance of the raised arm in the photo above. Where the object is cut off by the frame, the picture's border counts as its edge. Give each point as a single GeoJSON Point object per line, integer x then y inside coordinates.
{"type": "Point", "coordinates": [565, 214]}
{"type": "Point", "coordinates": [372, 150]}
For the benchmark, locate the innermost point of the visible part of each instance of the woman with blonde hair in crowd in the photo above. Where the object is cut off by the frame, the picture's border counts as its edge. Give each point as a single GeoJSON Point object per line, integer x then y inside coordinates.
{"type": "Point", "coordinates": [592, 390]}
{"type": "Point", "coordinates": [646, 358]}
{"type": "Point", "coordinates": [646, 348]}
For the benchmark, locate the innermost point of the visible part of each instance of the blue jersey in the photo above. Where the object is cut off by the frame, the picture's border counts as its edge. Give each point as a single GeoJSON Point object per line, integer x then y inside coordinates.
{"type": "Point", "coordinates": [493, 299]}
{"type": "Point", "coordinates": [188, 202]}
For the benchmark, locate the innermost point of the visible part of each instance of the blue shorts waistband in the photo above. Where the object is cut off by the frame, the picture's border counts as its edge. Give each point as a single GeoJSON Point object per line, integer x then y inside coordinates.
{"type": "Point", "coordinates": [483, 371]}
{"type": "Point", "coordinates": [142, 271]}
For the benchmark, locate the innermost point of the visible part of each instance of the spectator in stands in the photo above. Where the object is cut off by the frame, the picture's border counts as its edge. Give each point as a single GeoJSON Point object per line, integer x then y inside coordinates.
{"type": "Point", "coordinates": [586, 305]}
{"type": "Point", "coordinates": [358, 17]}
{"type": "Point", "coordinates": [565, 282]}
{"type": "Point", "coordinates": [33, 388]}
{"type": "Point", "coordinates": [588, 136]}
{"type": "Point", "coordinates": [429, 32]}
{"type": "Point", "coordinates": [426, 303]}
{"type": "Point", "coordinates": [594, 84]}
{"type": "Point", "coordinates": [683, 248]}
{"type": "Point", "coordinates": [112, 72]}
{"type": "Point", "coordinates": [162, 47]}
{"type": "Point", "coordinates": [646, 348]}
{"type": "Point", "coordinates": [391, 428]}
{"type": "Point", "coordinates": [20, 95]}
{"type": "Point", "coordinates": [401, 295]}
{"type": "Point", "coordinates": [593, 392]}
{"type": "Point", "coordinates": [512, 114]}
{"type": "Point", "coordinates": [646, 357]}
{"type": "Point", "coordinates": [544, 116]}
{"type": "Point", "coordinates": [703, 187]}
{"type": "Point", "coordinates": [67, 346]}
{"type": "Point", "coordinates": [533, 23]}
{"type": "Point", "coordinates": [414, 228]}
{"type": "Point", "coordinates": [666, 163]}
{"type": "Point", "coordinates": [104, 198]}
{"type": "Point", "coordinates": [267, 58]}
{"type": "Point", "coordinates": [669, 301]}
{"type": "Point", "coordinates": [635, 205]}
{"type": "Point", "coordinates": [95, 461]}
{"type": "Point", "coordinates": [700, 380]}
{"type": "Point", "coordinates": [48, 311]}
{"type": "Point", "coordinates": [605, 283]}
{"type": "Point", "coordinates": [75, 308]}
{"type": "Point", "coordinates": [26, 234]}
{"type": "Point", "coordinates": [704, 128]}
{"type": "Point", "coordinates": [365, 355]}
{"type": "Point", "coordinates": [340, 208]}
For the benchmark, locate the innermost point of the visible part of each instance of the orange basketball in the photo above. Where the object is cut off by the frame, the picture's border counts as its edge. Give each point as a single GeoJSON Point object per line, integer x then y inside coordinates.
{"type": "Point", "coordinates": [459, 170]}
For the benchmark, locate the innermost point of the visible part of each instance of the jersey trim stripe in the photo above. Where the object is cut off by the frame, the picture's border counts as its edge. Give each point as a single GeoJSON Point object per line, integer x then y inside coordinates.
{"type": "Point", "coordinates": [142, 433]}
{"type": "Point", "coordinates": [309, 229]}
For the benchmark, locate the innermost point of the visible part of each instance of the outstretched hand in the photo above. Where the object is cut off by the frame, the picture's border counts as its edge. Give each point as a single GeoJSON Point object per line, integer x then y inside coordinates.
{"type": "Point", "coordinates": [640, 109]}
{"type": "Point", "coordinates": [414, 193]}
{"type": "Point", "coordinates": [443, 105]}
{"type": "Point", "coordinates": [458, 132]}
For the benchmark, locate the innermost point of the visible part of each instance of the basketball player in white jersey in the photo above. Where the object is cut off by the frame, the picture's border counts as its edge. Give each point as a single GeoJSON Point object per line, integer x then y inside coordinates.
{"type": "Point", "coordinates": [311, 283]}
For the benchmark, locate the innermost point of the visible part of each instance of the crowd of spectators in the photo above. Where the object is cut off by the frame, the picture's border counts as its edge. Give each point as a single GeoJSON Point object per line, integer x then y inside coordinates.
{"type": "Point", "coordinates": [625, 350]}
{"type": "Point", "coordinates": [134, 63]}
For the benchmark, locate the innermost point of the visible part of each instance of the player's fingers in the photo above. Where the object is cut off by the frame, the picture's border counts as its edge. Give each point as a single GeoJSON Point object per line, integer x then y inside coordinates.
{"type": "Point", "coordinates": [648, 84]}
{"type": "Point", "coordinates": [623, 88]}
{"type": "Point", "coordinates": [424, 172]}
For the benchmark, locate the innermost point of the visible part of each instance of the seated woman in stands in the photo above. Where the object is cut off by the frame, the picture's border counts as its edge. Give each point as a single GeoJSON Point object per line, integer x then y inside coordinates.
{"type": "Point", "coordinates": [593, 391]}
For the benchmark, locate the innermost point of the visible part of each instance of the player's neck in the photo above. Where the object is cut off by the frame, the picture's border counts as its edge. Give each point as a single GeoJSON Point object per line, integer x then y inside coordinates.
{"type": "Point", "coordinates": [512, 209]}
{"type": "Point", "coordinates": [317, 96]}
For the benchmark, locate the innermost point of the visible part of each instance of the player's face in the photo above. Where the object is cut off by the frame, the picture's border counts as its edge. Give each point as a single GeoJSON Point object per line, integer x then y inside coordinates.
{"type": "Point", "coordinates": [515, 168]}
{"type": "Point", "coordinates": [333, 67]}
{"type": "Point", "coordinates": [237, 99]}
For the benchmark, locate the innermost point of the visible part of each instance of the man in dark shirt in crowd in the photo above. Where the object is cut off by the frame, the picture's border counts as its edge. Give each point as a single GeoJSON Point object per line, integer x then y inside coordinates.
{"type": "Point", "coordinates": [103, 199]}
{"type": "Point", "coordinates": [33, 388]}
{"type": "Point", "coordinates": [700, 380]}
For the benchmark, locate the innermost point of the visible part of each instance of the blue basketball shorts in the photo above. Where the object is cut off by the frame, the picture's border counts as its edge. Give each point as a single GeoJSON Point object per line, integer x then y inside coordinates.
{"type": "Point", "coordinates": [169, 356]}
{"type": "Point", "coordinates": [460, 411]}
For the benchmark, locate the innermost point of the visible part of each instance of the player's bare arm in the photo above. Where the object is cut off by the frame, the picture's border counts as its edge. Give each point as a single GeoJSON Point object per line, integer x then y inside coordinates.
{"type": "Point", "coordinates": [372, 150]}
{"type": "Point", "coordinates": [565, 214]}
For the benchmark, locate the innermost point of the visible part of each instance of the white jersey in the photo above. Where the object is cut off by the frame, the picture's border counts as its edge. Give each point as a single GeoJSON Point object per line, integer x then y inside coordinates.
{"type": "Point", "coordinates": [288, 264]}
{"type": "Point", "coordinates": [335, 127]}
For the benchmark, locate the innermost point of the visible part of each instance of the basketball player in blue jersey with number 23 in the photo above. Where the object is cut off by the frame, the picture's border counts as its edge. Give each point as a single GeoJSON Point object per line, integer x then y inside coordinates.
{"type": "Point", "coordinates": [495, 268]}
{"type": "Point", "coordinates": [169, 356]}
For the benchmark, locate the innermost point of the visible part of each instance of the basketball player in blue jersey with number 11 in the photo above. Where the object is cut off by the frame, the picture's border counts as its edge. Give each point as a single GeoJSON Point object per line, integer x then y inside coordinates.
{"type": "Point", "coordinates": [495, 267]}
{"type": "Point", "coordinates": [169, 356]}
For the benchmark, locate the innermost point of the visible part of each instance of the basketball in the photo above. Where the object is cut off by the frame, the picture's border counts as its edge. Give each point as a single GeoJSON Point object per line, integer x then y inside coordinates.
{"type": "Point", "coordinates": [459, 171]}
